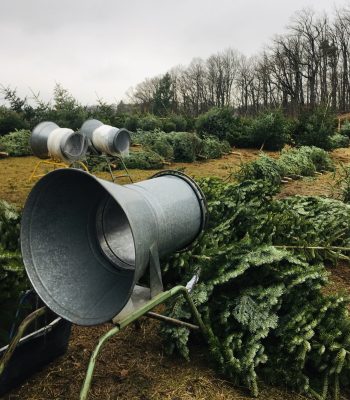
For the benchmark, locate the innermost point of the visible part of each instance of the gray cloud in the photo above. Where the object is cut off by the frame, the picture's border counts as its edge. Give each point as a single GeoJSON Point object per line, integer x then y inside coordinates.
{"type": "Point", "coordinates": [107, 46]}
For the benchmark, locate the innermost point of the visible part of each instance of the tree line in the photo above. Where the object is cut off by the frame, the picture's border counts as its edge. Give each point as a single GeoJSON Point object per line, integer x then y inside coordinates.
{"type": "Point", "coordinates": [306, 66]}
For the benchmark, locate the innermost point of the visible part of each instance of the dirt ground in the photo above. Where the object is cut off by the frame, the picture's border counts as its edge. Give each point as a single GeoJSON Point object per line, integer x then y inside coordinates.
{"type": "Point", "coordinates": [133, 364]}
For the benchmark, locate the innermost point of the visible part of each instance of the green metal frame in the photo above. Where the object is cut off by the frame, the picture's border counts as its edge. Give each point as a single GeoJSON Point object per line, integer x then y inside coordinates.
{"type": "Point", "coordinates": [107, 160]}
{"type": "Point", "coordinates": [143, 311]}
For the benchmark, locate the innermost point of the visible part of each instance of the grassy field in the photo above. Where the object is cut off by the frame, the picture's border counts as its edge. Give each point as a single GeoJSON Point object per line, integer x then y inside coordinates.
{"type": "Point", "coordinates": [133, 364]}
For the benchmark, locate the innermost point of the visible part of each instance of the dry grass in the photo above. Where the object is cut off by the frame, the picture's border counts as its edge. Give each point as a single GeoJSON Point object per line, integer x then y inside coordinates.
{"type": "Point", "coordinates": [15, 172]}
{"type": "Point", "coordinates": [134, 366]}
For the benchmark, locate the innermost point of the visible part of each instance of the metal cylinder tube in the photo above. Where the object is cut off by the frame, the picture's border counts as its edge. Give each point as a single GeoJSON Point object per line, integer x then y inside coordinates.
{"type": "Point", "coordinates": [105, 138]}
{"type": "Point", "coordinates": [49, 140]}
{"type": "Point", "coordinates": [86, 241]}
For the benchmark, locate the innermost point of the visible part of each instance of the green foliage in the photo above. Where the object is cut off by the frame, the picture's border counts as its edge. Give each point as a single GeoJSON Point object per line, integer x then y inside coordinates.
{"type": "Point", "coordinates": [314, 128]}
{"type": "Point", "coordinates": [296, 162]}
{"type": "Point", "coordinates": [338, 140]}
{"type": "Point", "coordinates": [12, 275]}
{"type": "Point", "coordinates": [163, 96]}
{"type": "Point", "coordinates": [265, 168]}
{"type": "Point", "coordinates": [186, 146]}
{"type": "Point", "coordinates": [181, 124]}
{"type": "Point", "coordinates": [132, 123]}
{"type": "Point", "coordinates": [240, 135]}
{"type": "Point", "coordinates": [168, 126]}
{"type": "Point", "coordinates": [146, 159]}
{"type": "Point", "coordinates": [219, 122]}
{"type": "Point", "coordinates": [181, 146]}
{"type": "Point", "coordinates": [98, 164]}
{"type": "Point", "coordinates": [212, 147]}
{"type": "Point", "coordinates": [270, 131]}
{"type": "Point", "coordinates": [16, 143]}
{"type": "Point", "coordinates": [17, 103]}
{"type": "Point", "coordinates": [319, 157]}
{"type": "Point", "coordinates": [303, 161]}
{"type": "Point", "coordinates": [158, 142]}
{"type": "Point", "coordinates": [11, 120]}
{"type": "Point", "coordinates": [345, 129]}
{"type": "Point", "coordinates": [312, 222]}
{"type": "Point", "coordinates": [341, 186]}
{"type": "Point", "coordinates": [264, 307]}
{"type": "Point", "coordinates": [9, 227]}
{"type": "Point", "coordinates": [107, 113]}
{"type": "Point", "coordinates": [66, 111]}
{"type": "Point", "coordinates": [149, 123]}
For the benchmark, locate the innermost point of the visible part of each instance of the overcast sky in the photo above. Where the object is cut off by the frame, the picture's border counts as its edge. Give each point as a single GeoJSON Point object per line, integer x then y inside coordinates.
{"type": "Point", "coordinates": [108, 46]}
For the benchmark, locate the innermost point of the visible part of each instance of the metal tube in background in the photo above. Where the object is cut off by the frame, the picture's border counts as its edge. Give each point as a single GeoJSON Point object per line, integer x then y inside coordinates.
{"type": "Point", "coordinates": [39, 138]}
{"type": "Point", "coordinates": [49, 140]}
{"type": "Point", "coordinates": [105, 138]}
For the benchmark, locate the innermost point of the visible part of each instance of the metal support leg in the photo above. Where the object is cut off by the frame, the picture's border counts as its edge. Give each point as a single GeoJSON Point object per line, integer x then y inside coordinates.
{"type": "Point", "coordinates": [51, 163]}
{"type": "Point", "coordinates": [90, 371]}
{"type": "Point", "coordinates": [20, 332]}
{"type": "Point", "coordinates": [161, 298]}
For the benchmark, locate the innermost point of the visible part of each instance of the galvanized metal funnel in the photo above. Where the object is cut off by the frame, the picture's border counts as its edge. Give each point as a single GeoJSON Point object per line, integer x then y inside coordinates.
{"type": "Point", "coordinates": [86, 241]}
{"type": "Point", "coordinates": [105, 138]}
{"type": "Point", "coordinates": [49, 140]}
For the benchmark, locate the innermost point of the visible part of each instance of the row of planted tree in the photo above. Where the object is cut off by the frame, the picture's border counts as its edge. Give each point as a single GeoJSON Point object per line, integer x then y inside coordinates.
{"type": "Point", "coordinates": [269, 130]}
{"type": "Point", "coordinates": [308, 65]}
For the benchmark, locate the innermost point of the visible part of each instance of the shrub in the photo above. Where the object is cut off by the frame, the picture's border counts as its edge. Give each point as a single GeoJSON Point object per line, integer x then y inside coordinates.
{"type": "Point", "coordinates": [341, 185]}
{"type": "Point", "coordinates": [149, 123]}
{"type": "Point", "coordinates": [338, 140]}
{"type": "Point", "coordinates": [265, 168]}
{"type": "Point", "coordinates": [319, 157]}
{"type": "Point", "coordinates": [67, 111]}
{"type": "Point", "coordinates": [168, 126]}
{"type": "Point", "coordinates": [146, 159]}
{"type": "Point", "coordinates": [314, 128]}
{"type": "Point", "coordinates": [10, 121]}
{"type": "Point", "coordinates": [303, 161]}
{"type": "Point", "coordinates": [296, 162]}
{"type": "Point", "coordinates": [186, 146]}
{"type": "Point", "coordinates": [270, 131]}
{"type": "Point", "coordinates": [217, 122]}
{"type": "Point", "coordinates": [180, 123]}
{"type": "Point", "coordinates": [181, 146]}
{"type": "Point", "coordinates": [345, 129]}
{"type": "Point", "coordinates": [137, 136]}
{"type": "Point", "coordinates": [12, 275]}
{"type": "Point", "coordinates": [240, 135]}
{"type": "Point", "coordinates": [16, 143]}
{"type": "Point", "coordinates": [132, 123]}
{"type": "Point", "coordinates": [212, 147]}
{"type": "Point", "coordinates": [9, 227]}
{"type": "Point", "coordinates": [159, 143]}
